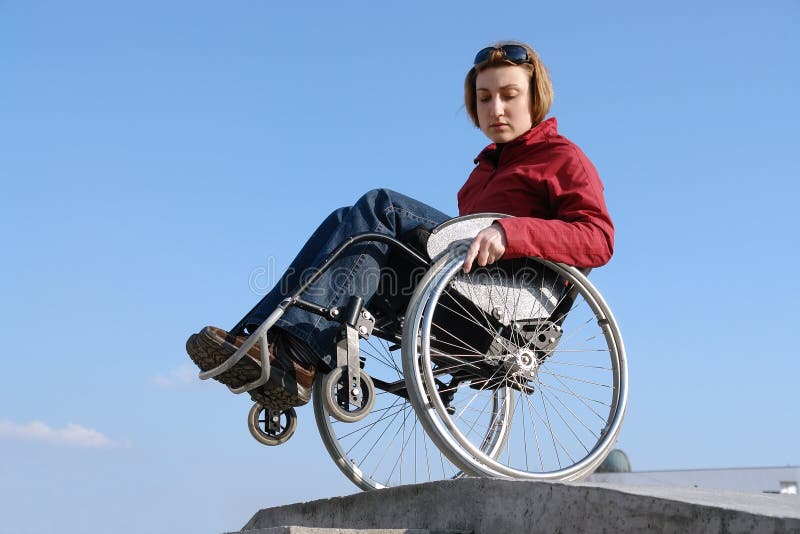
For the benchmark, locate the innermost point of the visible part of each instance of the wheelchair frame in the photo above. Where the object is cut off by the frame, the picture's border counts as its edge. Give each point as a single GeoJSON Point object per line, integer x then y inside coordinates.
{"type": "Point", "coordinates": [346, 394]}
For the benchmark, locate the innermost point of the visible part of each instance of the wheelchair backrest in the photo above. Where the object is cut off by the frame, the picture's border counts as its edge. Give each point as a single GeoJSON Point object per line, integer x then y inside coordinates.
{"type": "Point", "coordinates": [510, 290]}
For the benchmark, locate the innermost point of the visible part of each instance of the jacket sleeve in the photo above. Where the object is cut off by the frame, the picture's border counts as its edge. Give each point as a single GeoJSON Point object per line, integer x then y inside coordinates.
{"type": "Point", "coordinates": [580, 233]}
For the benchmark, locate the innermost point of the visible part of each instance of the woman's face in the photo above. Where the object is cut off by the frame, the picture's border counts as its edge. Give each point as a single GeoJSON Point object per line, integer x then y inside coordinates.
{"type": "Point", "coordinates": [504, 102]}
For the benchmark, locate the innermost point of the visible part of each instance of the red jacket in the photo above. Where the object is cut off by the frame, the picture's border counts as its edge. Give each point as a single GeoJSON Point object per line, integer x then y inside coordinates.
{"type": "Point", "coordinates": [552, 191]}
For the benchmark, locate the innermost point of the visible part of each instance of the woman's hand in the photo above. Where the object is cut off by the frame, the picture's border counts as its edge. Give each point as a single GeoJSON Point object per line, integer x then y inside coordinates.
{"type": "Point", "coordinates": [487, 247]}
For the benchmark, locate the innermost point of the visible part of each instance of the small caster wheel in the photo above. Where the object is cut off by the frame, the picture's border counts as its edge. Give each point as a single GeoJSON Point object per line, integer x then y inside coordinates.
{"type": "Point", "coordinates": [335, 397]}
{"type": "Point", "coordinates": [271, 427]}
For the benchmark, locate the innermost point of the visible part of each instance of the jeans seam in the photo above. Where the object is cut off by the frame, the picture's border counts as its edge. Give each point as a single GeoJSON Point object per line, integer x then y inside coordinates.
{"type": "Point", "coordinates": [409, 215]}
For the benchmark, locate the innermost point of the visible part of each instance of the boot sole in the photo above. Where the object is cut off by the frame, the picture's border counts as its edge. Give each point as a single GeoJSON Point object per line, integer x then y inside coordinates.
{"type": "Point", "coordinates": [281, 392]}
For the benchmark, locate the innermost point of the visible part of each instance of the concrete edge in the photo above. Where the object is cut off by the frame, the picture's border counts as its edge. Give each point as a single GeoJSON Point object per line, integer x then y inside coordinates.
{"type": "Point", "coordinates": [494, 505]}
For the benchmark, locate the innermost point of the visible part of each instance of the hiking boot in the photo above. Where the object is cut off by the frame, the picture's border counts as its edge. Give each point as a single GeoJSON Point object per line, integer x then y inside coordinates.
{"type": "Point", "coordinates": [289, 383]}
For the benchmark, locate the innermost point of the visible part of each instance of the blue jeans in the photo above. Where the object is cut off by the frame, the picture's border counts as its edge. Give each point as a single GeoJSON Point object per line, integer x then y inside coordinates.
{"type": "Point", "coordinates": [355, 273]}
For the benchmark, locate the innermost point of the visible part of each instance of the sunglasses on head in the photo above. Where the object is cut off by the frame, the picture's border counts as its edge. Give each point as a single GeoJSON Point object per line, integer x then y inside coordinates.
{"type": "Point", "coordinates": [514, 53]}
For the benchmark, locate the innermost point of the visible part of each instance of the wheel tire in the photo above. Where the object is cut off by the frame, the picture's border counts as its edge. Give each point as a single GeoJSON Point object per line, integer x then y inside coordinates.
{"type": "Point", "coordinates": [331, 384]}
{"type": "Point", "coordinates": [258, 426]}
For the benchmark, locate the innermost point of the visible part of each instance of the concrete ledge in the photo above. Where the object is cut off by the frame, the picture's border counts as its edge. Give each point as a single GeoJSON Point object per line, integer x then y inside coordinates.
{"type": "Point", "coordinates": [487, 506]}
{"type": "Point", "coordinates": [312, 530]}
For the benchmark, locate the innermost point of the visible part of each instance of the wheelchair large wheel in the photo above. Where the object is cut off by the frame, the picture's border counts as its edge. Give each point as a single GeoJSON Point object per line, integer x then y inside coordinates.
{"type": "Point", "coordinates": [546, 337]}
{"type": "Point", "coordinates": [389, 446]}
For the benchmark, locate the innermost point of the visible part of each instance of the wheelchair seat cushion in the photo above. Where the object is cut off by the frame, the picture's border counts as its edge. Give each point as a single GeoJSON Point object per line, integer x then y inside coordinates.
{"type": "Point", "coordinates": [506, 289]}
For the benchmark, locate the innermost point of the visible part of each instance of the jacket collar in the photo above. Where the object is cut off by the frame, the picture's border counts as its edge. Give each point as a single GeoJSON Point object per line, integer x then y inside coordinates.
{"type": "Point", "coordinates": [541, 132]}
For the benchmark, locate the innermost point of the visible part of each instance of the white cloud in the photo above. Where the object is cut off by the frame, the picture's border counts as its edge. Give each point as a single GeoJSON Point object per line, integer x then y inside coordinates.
{"type": "Point", "coordinates": [71, 434]}
{"type": "Point", "coordinates": [181, 376]}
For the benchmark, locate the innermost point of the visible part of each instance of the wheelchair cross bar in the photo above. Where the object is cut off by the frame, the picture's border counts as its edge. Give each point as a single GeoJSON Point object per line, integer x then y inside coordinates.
{"type": "Point", "coordinates": [310, 306]}
{"type": "Point", "coordinates": [397, 387]}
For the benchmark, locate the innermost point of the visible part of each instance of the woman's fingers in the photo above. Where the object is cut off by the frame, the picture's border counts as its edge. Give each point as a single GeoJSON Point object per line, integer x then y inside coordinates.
{"type": "Point", "coordinates": [472, 252]}
{"type": "Point", "coordinates": [487, 247]}
{"type": "Point", "coordinates": [485, 254]}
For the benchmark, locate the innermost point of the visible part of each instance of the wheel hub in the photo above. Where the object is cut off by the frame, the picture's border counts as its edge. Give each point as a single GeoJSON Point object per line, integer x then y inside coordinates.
{"type": "Point", "coordinates": [522, 364]}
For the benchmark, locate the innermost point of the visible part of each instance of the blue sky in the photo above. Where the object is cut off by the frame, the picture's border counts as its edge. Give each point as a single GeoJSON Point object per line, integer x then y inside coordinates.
{"type": "Point", "coordinates": [157, 158]}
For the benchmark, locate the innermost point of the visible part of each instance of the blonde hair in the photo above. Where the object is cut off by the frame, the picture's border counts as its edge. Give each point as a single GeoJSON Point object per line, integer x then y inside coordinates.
{"type": "Point", "coordinates": [541, 88]}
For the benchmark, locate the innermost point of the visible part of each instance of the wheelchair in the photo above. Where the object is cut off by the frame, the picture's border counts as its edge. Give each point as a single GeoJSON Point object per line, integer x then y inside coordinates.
{"type": "Point", "coordinates": [516, 370]}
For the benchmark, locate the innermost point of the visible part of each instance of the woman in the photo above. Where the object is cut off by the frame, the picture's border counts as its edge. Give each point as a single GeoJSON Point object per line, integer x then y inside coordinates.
{"type": "Point", "coordinates": [544, 181]}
